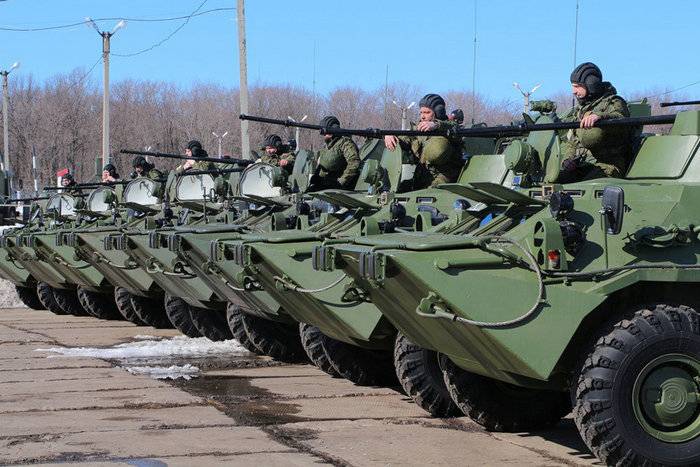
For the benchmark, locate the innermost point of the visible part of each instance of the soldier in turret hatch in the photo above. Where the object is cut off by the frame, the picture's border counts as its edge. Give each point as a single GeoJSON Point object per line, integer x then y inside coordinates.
{"type": "Point", "coordinates": [591, 152]}
{"type": "Point", "coordinates": [195, 151]}
{"type": "Point", "coordinates": [109, 173]}
{"type": "Point", "coordinates": [143, 168]}
{"type": "Point", "coordinates": [338, 161]}
{"type": "Point", "coordinates": [277, 153]}
{"type": "Point", "coordinates": [438, 158]}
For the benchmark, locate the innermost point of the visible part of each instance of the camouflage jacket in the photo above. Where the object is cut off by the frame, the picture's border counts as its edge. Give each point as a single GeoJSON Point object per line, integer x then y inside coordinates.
{"type": "Point", "coordinates": [153, 174]}
{"type": "Point", "coordinates": [198, 165]}
{"type": "Point", "coordinates": [430, 174]}
{"type": "Point", "coordinates": [609, 149]}
{"type": "Point", "coordinates": [274, 159]}
{"type": "Point", "coordinates": [346, 148]}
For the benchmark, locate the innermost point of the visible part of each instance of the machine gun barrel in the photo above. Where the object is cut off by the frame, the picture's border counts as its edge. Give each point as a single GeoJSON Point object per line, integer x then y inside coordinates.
{"type": "Point", "coordinates": [88, 185]}
{"type": "Point", "coordinates": [216, 160]}
{"type": "Point", "coordinates": [209, 172]}
{"type": "Point", "coordinates": [24, 200]}
{"type": "Point", "coordinates": [501, 131]}
{"type": "Point", "coordinates": [676, 103]}
{"type": "Point", "coordinates": [274, 121]}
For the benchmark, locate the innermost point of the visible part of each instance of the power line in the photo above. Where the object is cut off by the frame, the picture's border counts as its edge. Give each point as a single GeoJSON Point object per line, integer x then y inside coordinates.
{"type": "Point", "coordinates": [674, 90]}
{"type": "Point", "coordinates": [142, 20]}
{"type": "Point", "coordinates": [168, 37]}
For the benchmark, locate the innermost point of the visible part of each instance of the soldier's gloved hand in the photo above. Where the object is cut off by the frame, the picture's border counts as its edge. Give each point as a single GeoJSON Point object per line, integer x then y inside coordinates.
{"type": "Point", "coordinates": [570, 164]}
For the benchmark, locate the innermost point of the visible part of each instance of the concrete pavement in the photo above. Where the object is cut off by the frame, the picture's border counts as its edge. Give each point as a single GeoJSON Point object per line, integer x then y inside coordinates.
{"type": "Point", "coordinates": [240, 411]}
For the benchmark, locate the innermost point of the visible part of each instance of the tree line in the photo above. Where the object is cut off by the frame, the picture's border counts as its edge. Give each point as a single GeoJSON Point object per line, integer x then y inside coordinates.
{"type": "Point", "coordinates": [59, 120]}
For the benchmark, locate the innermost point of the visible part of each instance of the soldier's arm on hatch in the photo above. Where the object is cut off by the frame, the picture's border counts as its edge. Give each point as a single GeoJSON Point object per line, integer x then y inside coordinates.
{"type": "Point", "coordinates": [352, 159]}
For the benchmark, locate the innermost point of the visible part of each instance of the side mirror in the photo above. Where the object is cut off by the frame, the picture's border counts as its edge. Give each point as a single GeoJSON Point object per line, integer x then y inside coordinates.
{"type": "Point", "coordinates": [613, 209]}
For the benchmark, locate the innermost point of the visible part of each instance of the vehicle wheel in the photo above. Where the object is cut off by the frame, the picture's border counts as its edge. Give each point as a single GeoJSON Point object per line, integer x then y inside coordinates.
{"type": "Point", "coordinates": [212, 324]}
{"type": "Point", "coordinates": [100, 305]}
{"type": "Point", "coordinates": [277, 340]}
{"type": "Point", "coordinates": [363, 367]}
{"type": "Point", "coordinates": [638, 392]}
{"type": "Point", "coordinates": [151, 311]}
{"type": "Point", "coordinates": [312, 341]}
{"type": "Point", "coordinates": [122, 298]}
{"type": "Point", "coordinates": [420, 375]}
{"type": "Point", "coordinates": [67, 299]}
{"type": "Point", "coordinates": [29, 297]}
{"type": "Point", "coordinates": [45, 293]}
{"type": "Point", "coordinates": [500, 406]}
{"type": "Point", "coordinates": [235, 324]}
{"type": "Point", "coordinates": [178, 312]}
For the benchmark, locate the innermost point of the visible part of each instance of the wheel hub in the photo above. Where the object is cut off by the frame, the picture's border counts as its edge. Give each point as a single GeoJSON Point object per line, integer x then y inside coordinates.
{"type": "Point", "coordinates": [666, 398]}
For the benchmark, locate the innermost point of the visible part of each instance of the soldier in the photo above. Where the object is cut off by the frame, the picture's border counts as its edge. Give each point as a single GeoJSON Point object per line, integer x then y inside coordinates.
{"type": "Point", "coordinates": [438, 158]}
{"type": "Point", "coordinates": [277, 154]}
{"type": "Point", "coordinates": [143, 168]}
{"type": "Point", "coordinates": [591, 152]}
{"type": "Point", "coordinates": [457, 115]}
{"type": "Point", "coordinates": [195, 151]}
{"type": "Point", "coordinates": [338, 163]}
{"type": "Point", "coordinates": [68, 182]}
{"type": "Point", "coordinates": [109, 173]}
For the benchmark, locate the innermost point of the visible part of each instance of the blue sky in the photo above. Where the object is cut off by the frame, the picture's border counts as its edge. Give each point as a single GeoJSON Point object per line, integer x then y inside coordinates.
{"type": "Point", "coordinates": [639, 45]}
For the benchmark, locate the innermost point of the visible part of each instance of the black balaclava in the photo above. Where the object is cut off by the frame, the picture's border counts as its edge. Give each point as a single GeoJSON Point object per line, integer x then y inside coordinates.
{"type": "Point", "coordinates": [435, 103]}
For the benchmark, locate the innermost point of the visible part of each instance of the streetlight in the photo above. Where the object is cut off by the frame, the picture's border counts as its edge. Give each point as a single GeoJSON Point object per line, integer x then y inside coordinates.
{"type": "Point", "coordinates": [6, 121]}
{"type": "Point", "coordinates": [404, 110]}
{"type": "Point", "coordinates": [297, 129]}
{"type": "Point", "coordinates": [526, 95]}
{"type": "Point", "coordinates": [106, 35]}
{"type": "Point", "coordinates": [220, 138]}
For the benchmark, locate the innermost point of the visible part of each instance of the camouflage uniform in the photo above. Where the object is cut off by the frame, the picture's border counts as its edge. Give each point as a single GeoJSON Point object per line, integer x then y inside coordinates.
{"type": "Point", "coordinates": [198, 165]}
{"type": "Point", "coordinates": [274, 159]}
{"type": "Point", "coordinates": [430, 174]}
{"type": "Point", "coordinates": [345, 147]}
{"type": "Point", "coordinates": [598, 152]}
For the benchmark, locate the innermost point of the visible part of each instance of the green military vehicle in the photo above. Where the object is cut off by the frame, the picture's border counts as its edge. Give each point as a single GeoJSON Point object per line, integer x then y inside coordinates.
{"type": "Point", "coordinates": [581, 293]}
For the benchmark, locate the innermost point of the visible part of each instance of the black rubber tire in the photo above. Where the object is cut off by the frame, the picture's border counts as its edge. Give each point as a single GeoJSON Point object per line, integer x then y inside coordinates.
{"type": "Point", "coordinates": [29, 297]}
{"type": "Point", "coordinates": [235, 324]}
{"type": "Point", "coordinates": [178, 312]}
{"type": "Point", "coordinates": [122, 298]}
{"type": "Point", "coordinates": [419, 372]}
{"type": "Point", "coordinates": [277, 340]}
{"type": "Point", "coordinates": [499, 406]}
{"type": "Point", "coordinates": [312, 341]}
{"type": "Point", "coordinates": [363, 367]}
{"type": "Point", "coordinates": [45, 293]}
{"type": "Point", "coordinates": [603, 411]}
{"type": "Point", "coordinates": [151, 311]}
{"type": "Point", "coordinates": [212, 324]}
{"type": "Point", "coordinates": [99, 305]}
{"type": "Point", "coordinates": [67, 299]}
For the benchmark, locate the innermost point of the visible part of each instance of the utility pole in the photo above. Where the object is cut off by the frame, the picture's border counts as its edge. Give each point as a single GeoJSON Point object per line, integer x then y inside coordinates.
{"type": "Point", "coordinates": [243, 65]}
{"type": "Point", "coordinates": [6, 121]}
{"type": "Point", "coordinates": [220, 138]}
{"type": "Point", "coordinates": [404, 113]}
{"type": "Point", "coordinates": [526, 96]}
{"type": "Point", "coordinates": [106, 36]}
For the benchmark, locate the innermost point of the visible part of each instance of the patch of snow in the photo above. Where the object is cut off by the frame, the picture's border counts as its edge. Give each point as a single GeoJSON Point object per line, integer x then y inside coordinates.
{"type": "Point", "coordinates": [179, 346]}
{"type": "Point", "coordinates": [185, 371]}
{"type": "Point", "coordinates": [143, 337]}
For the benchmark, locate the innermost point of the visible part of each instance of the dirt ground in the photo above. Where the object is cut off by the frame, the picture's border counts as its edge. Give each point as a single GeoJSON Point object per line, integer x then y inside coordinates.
{"type": "Point", "coordinates": [62, 404]}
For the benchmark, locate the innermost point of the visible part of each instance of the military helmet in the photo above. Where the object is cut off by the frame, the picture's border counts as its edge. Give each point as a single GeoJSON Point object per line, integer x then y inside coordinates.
{"type": "Point", "coordinates": [140, 161]}
{"type": "Point", "coordinates": [330, 121]}
{"type": "Point", "coordinates": [194, 144]}
{"type": "Point", "coordinates": [589, 76]}
{"type": "Point", "coordinates": [438, 150]}
{"type": "Point", "coordinates": [457, 115]}
{"type": "Point", "coordinates": [435, 103]}
{"type": "Point", "coordinates": [272, 141]}
{"type": "Point", "coordinates": [332, 161]}
{"type": "Point", "coordinates": [111, 169]}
